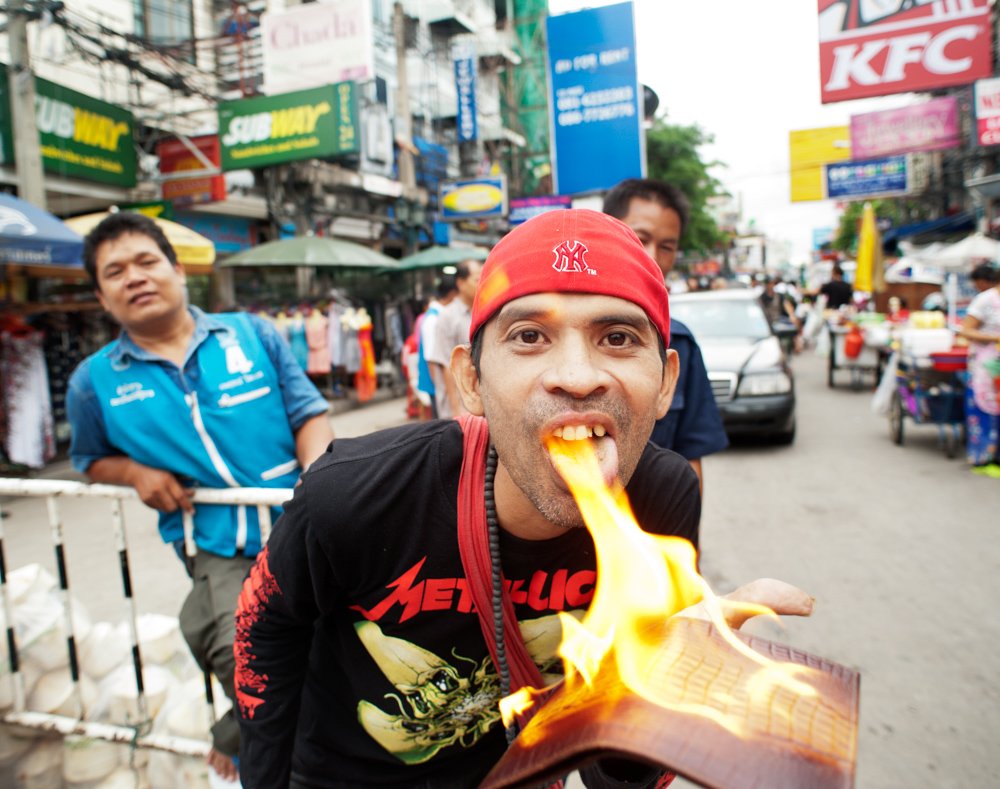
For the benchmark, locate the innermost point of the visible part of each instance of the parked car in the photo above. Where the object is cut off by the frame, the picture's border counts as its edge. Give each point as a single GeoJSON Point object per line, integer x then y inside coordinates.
{"type": "Point", "coordinates": [750, 375]}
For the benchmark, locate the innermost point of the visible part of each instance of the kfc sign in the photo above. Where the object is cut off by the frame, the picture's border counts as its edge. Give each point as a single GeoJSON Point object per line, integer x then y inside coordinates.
{"type": "Point", "coordinates": [869, 48]}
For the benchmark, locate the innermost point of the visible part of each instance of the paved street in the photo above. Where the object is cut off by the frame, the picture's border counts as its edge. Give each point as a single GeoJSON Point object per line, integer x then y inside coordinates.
{"type": "Point", "coordinates": [896, 543]}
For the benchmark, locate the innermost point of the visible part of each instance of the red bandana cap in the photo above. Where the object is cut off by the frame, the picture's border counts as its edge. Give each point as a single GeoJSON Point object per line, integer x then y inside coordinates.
{"type": "Point", "coordinates": [574, 250]}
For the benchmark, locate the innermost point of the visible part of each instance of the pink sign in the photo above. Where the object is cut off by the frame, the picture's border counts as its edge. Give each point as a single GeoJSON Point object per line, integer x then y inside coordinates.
{"type": "Point", "coordinates": [931, 126]}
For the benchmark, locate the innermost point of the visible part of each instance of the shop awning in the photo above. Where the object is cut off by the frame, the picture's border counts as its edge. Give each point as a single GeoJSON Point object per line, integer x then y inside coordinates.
{"type": "Point", "coordinates": [319, 251]}
{"type": "Point", "coordinates": [31, 236]}
{"type": "Point", "coordinates": [195, 252]}
{"type": "Point", "coordinates": [933, 229]}
{"type": "Point", "coordinates": [436, 256]}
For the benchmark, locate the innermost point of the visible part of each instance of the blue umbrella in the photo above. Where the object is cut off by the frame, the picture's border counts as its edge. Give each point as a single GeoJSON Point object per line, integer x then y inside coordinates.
{"type": "Point", "coordinates": [31, 236]}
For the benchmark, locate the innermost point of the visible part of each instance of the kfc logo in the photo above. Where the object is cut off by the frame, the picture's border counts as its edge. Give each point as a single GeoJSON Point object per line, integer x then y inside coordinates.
{"type": "Point", "coordinates": [878, 47]}
{"type": "Point", "coordinates": [570, 258]}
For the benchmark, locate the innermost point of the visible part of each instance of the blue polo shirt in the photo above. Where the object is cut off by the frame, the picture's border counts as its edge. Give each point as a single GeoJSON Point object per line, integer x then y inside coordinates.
{"type": "Point", "coordinates": [89, 440]}
{"type": "Point", "coordinates": [225, 418]}
{"type": "Point", "coordinates": [693, 426]}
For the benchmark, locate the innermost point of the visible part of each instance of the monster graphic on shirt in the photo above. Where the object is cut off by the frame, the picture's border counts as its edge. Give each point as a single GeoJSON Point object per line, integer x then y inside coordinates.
{"type": "Point", "coordinates": [435, 705]}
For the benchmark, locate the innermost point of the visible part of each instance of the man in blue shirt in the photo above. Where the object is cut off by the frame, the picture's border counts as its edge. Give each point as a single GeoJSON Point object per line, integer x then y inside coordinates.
{"type": "Point", "coordinates": [184, 399]}
{"type": "Point", "coordinates": [658, 213]}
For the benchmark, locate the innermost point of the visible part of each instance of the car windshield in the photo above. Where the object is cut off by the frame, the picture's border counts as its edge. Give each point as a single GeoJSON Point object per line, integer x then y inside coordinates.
{"type": "Point", "coordinates": [722, 318]}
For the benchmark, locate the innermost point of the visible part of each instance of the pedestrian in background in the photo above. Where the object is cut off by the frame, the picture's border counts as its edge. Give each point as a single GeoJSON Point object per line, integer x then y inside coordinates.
{"type": "Point", "coordinates": [453, 329]}
{"type": "Point", "coordinates": [658, 212]}
{"type": "Point", "coordinates": [180, 400]}
{"type": "Point", "coordinates": [981, 327]}
{"type": "Point", "coordinates": [429, 380]}
{"type": "Point", "coordinates": [838, 291]}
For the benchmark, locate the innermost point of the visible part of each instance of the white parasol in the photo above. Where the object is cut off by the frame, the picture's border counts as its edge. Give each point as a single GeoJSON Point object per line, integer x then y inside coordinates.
{"type": "Point", "coordinates": [961, 257]}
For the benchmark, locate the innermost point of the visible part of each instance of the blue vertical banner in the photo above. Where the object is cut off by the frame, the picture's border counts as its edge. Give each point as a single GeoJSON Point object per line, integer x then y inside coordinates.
{"type": "Point", "coordinates": [463, 54]}
{"type": "Point", "coordinates": [595, 99]}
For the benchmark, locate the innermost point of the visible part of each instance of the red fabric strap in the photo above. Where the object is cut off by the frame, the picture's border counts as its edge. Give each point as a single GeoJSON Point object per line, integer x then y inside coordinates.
{"type": "Point", "coordinates": [474, 547]}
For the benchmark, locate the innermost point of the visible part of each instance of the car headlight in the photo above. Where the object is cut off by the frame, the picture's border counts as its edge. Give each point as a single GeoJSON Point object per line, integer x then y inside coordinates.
{"type": "Point", "coordinates": [771, 383]}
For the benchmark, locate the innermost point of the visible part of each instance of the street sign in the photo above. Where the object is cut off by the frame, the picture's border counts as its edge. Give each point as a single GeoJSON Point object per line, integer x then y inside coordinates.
{"type": "Point", "coordinates": [306, 124]}
{"type": "Point", "coordinates": [594, 99]}
{"type": "Point", "coordinates": [79, 136]}
{"type": "Point", "coordinates": [871, 178]}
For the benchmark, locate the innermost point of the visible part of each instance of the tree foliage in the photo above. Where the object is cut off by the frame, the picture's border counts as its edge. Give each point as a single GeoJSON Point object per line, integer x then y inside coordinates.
{"type": "Point", "coordinates": [897, 210]}
{"type": "Point", "coordinates": [672, 155]}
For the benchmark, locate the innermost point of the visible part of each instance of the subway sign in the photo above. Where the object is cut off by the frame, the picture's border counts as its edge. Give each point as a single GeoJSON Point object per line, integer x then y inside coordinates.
{"type": "Point", "coordinates": [266, 130]}
{"type": "Point", "coordinates": [79, 137]}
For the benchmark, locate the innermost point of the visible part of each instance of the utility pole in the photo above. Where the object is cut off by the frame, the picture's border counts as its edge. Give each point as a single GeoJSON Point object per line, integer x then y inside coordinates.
{"type": "Point", "coordinates": [404, 121]}
{"type": "Point", "coordinates": [27, 155]}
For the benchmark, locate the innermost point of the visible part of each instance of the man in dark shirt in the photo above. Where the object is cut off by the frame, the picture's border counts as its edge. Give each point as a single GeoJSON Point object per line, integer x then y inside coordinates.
{"type": "Point", "coordinates": [837, 291]}
{"type": "Point", "coordinates": [658, 212]}
{"type": "Point", "coordinates": [366, 643]}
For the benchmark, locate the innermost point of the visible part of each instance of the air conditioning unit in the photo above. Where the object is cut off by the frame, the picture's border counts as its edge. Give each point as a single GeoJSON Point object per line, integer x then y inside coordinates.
{"type": "Point", "coordinates": [378, 136]}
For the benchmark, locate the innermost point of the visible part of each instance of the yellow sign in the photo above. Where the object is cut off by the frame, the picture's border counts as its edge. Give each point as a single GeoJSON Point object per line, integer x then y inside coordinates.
{"type": "Point", "coordinates": [808, 151]}
{"type": "Point", "coordinates": [474, 199]}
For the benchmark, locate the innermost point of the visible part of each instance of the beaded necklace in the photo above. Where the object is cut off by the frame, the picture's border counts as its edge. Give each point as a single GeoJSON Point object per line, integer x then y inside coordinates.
{"type": "Point", "coordinates": [496, 576]}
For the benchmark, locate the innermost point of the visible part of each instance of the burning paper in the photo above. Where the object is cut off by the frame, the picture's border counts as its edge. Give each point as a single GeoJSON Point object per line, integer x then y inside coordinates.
{"type": "Point", "coordinates": [696, 698]}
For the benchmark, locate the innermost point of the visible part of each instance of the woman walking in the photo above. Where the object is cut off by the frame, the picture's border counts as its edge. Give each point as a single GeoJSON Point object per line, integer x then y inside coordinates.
{"type": "Point", "coordinates": [981, 327]}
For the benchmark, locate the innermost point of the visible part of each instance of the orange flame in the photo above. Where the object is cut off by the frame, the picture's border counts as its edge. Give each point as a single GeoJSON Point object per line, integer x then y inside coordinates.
{"type": "Point", "coordinates": [642, 580]}
{"type": "Point", "coordinates": [516, 704]}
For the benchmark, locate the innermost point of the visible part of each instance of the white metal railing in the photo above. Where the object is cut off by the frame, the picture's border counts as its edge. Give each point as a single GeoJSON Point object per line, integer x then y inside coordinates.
{"type": "Point", "coordinates": [52, 491]}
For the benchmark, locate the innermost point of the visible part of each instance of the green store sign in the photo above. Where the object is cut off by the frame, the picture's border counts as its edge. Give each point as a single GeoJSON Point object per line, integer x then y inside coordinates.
{"type": "Point", "coordinates": [79, 137]}
{"type": "Point", "coordinates": [265, 130]}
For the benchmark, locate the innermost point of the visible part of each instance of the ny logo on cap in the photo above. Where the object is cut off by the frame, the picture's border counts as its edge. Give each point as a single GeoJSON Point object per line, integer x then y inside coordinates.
{"type": "Point", "coordinates": [570, 257]}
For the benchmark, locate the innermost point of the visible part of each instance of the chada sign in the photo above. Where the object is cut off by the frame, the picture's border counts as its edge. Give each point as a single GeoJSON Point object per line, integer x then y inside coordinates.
{"type": "Point", "coordinates": [78, 136]}
{"type": "Point", "coordinates": [306, 124]}
{"type": "Point", "coordinates": [314, 44]}
{"type": "Point", "coordinates": [479, 198]}
{"type": "Point", "coordinates": [869, 48]}
{"type": "Point", "coordinates": [988, 111]}
{"type": "Point", "coordinates": [930, 126]}
{"type": "Point", "coordinates": [176, 157]}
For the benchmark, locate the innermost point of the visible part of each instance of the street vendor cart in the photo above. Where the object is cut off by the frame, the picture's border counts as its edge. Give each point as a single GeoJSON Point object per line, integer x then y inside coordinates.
{"type": "Point", "coordinates": [931, 390]}
{"type": "Point", "coordinates": [850, 351]}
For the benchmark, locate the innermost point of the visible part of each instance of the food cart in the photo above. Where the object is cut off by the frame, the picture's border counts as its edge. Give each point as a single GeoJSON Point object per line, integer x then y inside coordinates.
{"type": "Point", "coordinates": [930, 389]}
{"type": "Point", "coordinates": [852, 350]}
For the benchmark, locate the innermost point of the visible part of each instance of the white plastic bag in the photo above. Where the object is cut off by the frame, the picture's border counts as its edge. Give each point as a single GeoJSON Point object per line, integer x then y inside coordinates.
{"type": "Point", "coordinates": [823, 343]}
{"type": "Point", "coordinates": [883, 393]}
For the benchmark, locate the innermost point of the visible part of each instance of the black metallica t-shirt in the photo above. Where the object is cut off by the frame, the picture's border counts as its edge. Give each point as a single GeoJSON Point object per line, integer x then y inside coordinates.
{"type": "Point", "coordinates": [360, 659]}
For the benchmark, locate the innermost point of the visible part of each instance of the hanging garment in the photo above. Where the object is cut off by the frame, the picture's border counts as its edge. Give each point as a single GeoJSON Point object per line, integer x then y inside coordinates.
{"type": "Point", "coordinates": [318, 341]}
{"type": "Point", "coordinates": [349, 323]}
{"type": "Point", "coordinates": [335, 334]}
{"type": "Point", "coordinates": [297, 340]}
{"type": "Point", "coordinates": [29, 436]}
{"type": "Point", "coordinates": [366, 380]}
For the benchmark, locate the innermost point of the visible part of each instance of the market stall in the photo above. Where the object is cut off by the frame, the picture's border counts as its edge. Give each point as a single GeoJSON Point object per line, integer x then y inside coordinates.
{"type": "Point", "coordinates": [924, 380]}
{"type": "Point", "coordinates": [930, 389]}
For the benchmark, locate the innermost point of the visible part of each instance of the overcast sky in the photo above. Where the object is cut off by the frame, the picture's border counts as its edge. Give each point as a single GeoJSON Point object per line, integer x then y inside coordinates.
{"type": "Point", "coordinates": [748, 73]}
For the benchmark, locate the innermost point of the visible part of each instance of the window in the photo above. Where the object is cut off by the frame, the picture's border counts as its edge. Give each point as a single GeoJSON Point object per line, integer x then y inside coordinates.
{"type": "Point", "coordinates": [166, 23]}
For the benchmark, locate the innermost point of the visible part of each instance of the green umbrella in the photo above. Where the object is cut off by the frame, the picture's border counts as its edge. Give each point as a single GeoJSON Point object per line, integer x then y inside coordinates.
{"type": "Point", "coordinates": [311, 251]}
{"type": "Point", "coordinates": [432, 257]}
